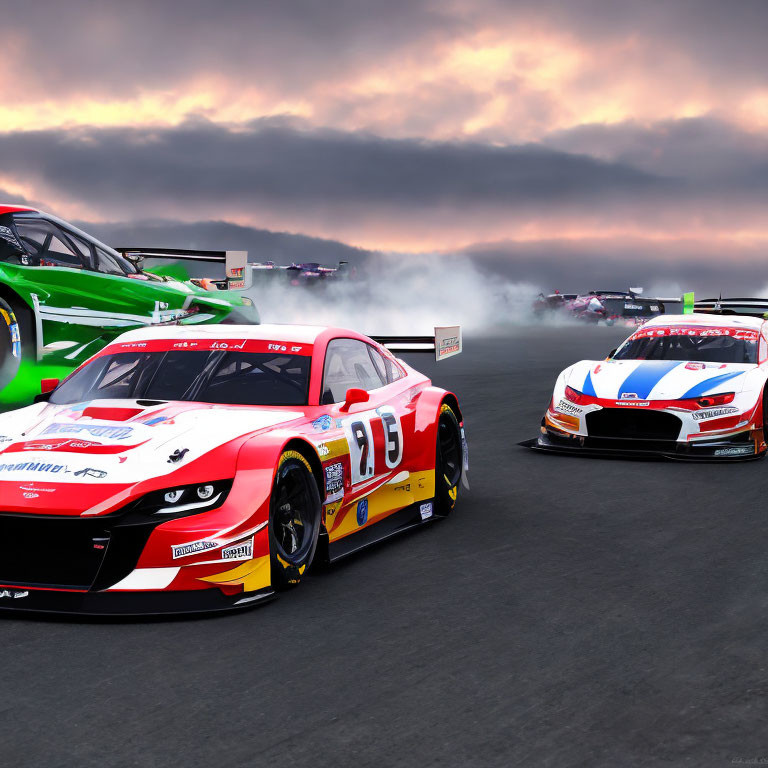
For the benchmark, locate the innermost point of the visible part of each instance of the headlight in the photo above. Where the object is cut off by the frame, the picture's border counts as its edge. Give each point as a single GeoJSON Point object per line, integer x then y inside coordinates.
{"type": "Point", "coordinates": [186, 499]}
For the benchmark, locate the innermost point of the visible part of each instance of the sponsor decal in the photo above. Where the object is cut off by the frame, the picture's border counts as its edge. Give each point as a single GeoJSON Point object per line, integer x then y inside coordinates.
{"type": "Point", "coordinates": [447, 341]}
{"type": "Point", "coordinates": [449, 346]}
{"type": "Point", "coordinates": [114, 433]}
{"type": "Point", "coordinates": [5, 439]}
{"type": "Point", "coordinates": [193, 548]}
{"type": "Point", "coordinates": [323, 449]}
{"type": "Point", "coordinates": [97, 473]}
{"type": "Point", "coordinates": [240, 551]}
{"type": "Point", "coordinates": [712, 413]}
{"type": "Point", "coordinates": [362, 512]}
{"type": "Point", "coordinates": [565, 406]}
{"type": "Point", "coordinates": [736, 333]}
{"type": "Point", "coordinates": [636, 403]}
{"type": "Point", "coordinates": [34, 466]}
{"type": "Point", "coordinates": [633, 306]}
{"type": "Point", "coordinates": [334, 482]}
{"type": "Point", "coordinates": [37, 490]}
{"type": "Point", "coordinates": [629, 396]}
{"type": "Point", "coordinates": [31, 495]}
{"type": "Point", "coordinates": [13, 594]}
{"type": "Point", "coordinates": [323, 424]}
{"type": "Point", "coordinates": [746, 450]}
{"type": "Point", "coordinates": [426, 510]}
{"type": "Point", "coordinates": [404, 487]}
{"type": "Point", "coordinates": [7, 234]}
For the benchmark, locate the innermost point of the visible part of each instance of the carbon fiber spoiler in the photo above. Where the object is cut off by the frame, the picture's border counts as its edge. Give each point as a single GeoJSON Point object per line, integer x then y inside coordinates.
{"type": "Point", "coordinates": [736, 306]}
{"type": "Point", "coordinates": [446, 342]}
{"type": "Point", "coordinates": [238, 276]}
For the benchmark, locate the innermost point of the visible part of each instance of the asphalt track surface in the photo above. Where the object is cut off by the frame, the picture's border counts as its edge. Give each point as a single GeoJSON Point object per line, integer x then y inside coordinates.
{"type": "Point", "coordinates": [571, 612]}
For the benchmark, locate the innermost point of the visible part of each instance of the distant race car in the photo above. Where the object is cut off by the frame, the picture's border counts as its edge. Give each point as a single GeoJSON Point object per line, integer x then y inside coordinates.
{"type": "Point", "coordinates": [64, 294]}
{"type": "Point", "coordinates": [610, 307]}
{"type": "Point", "coordinates": [196, 469]}
{"type": "Point", "coordinates": [681, 386]}
{"type": "Point", "coordinates": [306, 274]}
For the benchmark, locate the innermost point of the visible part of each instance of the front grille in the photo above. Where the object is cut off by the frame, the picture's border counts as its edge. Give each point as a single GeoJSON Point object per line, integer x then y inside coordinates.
{"type": "Point", "coordinates": [70, 552]}
{"type": "Point", "coordinates": [51, 551]}
{"type": "Point", "coordinates": [632, 423]}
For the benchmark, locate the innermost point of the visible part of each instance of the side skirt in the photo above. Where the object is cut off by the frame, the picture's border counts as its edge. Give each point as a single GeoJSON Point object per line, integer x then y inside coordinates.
{"type": "Point", "coordinates": [399, 522]}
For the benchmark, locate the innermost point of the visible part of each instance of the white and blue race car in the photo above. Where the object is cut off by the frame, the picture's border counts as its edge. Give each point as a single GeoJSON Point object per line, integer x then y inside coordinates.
{"type": "Point", "coordinates": [681, 386]}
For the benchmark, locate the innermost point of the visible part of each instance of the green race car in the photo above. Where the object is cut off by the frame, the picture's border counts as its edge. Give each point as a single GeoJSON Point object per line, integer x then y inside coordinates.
{"type": "Point", "coordinates": [64, 295]}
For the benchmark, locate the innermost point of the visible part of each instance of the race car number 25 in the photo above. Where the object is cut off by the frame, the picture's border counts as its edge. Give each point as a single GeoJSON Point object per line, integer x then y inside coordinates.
{"type": "Point", "coordinates": [359, 436]}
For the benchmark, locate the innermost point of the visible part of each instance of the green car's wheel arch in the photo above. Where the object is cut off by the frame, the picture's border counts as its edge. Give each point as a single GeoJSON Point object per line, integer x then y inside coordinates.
{"type": "Point", "coordinates": [11, 346]}
{"type": "Point", "coordinates": [294, 520]}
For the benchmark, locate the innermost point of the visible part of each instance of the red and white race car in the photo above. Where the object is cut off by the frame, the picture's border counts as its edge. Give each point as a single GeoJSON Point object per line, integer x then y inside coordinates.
{"type": "Point", "coordinates": [681, 386]}
{"type": "Point", "coordinates": [202, 468]}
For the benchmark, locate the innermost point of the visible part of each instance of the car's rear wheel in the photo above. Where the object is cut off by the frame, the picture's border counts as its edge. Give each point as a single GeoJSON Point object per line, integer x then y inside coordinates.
{"type": "Point", "coordinates": [448, 461]}
{"type": "Point", "coordinates": [10, 344]}
{"type": "Point", "coordinates": [294, 520]}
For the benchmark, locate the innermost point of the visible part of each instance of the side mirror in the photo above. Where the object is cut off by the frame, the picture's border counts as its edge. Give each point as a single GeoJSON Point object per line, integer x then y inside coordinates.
{"type": "Point", "coordinates": [354, 396]}
{"type": "Point", "coordinates": [46, 390]}
{"type": "Point", "coordinates": [612, 353]}
{"type": "Point", "coordinates": [136, 259]}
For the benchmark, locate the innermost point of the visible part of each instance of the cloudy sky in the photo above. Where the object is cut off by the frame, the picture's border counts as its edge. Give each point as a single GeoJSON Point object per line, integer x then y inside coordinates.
{"type": "Point", "coordinates": [612, 134]}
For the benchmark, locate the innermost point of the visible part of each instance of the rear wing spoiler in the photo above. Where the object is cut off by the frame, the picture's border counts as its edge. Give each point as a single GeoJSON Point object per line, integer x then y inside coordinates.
{"type": "Point", "coordinates": [446, 342]}
{"type": "Point", "coordinates": [238, 276]}
{"type": "Point", "coordinates": [737, 306]}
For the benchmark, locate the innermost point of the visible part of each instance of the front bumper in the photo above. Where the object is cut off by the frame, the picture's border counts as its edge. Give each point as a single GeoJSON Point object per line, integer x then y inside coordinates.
{"type": "Point", "coordinates": [740, 447]}
{"type": "Point", "coordinates": [45, 601]}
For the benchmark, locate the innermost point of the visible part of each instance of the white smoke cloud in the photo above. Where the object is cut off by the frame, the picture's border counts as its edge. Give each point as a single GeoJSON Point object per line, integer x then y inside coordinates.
{"type": "Point", "coordinates": [400, 295]}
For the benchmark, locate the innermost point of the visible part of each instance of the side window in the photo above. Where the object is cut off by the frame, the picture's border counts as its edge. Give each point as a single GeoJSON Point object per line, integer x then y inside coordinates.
{"type": "Point", "coordinates": [348, 365]}
{"type": "Point", "coordinates": [46, 244]}
{"type": "Point", "coordinates": [107, 263]}
{"type": "Point", "coordinates": [388, 369]}
{"type": "Point", "coordinates": [394, 372]}
{"type": "Point", "coordinates": [82, 247]}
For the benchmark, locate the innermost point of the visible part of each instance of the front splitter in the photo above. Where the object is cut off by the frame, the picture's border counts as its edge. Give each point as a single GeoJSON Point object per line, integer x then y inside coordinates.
{"type": "Point", "coordinates": [545, 445]}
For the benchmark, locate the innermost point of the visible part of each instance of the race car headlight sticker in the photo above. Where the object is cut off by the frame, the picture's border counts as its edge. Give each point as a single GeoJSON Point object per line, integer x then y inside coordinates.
{"type": "Point", "coordinates": [707, 401]}
{"type": "Point", "coordinates": [185, 500]}
{"type": "Point", "coordinates": [575, 396]}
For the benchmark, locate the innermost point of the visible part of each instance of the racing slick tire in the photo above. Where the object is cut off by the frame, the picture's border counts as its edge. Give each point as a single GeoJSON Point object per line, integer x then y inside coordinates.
{"type": "Point", "coordinates": [448, 461]}
{"type": "Point", "coordinates": [11, 339]}
{"type": "Point", "coordinates": [294, 520]}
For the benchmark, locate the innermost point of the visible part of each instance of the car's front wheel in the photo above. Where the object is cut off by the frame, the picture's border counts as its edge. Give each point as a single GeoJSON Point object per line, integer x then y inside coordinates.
{"type": "Point", "coordinates": [10, 344]}
{"type": "Point", "coordinates": [294, 520]}
{"type": "Point", "coordinates": [448, 461]}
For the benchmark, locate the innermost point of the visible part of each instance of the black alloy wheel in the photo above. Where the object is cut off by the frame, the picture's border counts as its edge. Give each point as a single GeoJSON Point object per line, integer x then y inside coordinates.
{"type": "Point", "coordinates": [294, 520]}
{"type": "Point", "coordinates": [449, 460]}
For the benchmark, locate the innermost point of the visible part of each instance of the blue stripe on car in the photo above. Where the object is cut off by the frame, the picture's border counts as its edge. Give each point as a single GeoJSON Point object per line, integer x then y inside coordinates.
{"type": "Point", "coordinates": [704, 386]}
{"type": "Point", "coordinates": [645, 377]}
{"type": "Point", "coordinates": [589, 387]}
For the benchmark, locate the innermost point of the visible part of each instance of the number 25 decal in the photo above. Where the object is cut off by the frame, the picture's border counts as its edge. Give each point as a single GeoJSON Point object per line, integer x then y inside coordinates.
{"type": "Point", "coordinates": [360, 439]}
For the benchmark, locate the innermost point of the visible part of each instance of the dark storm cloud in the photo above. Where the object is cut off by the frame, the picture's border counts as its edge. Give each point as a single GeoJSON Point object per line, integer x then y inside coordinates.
{"type": "Point", "coordinates": [697, 148]}
{"type": "Point", "coordinates": [284, 167]}
{"type": "Point", "coordinates": [261, 244]}
{"type": "Point", "coordinates": [112, 48]}
{"type": "Point", "coordinates": [726, 38]}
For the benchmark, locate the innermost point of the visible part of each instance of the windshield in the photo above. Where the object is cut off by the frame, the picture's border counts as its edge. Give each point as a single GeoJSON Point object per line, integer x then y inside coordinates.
{"type": "Point", "coordinates": [211, 376]}
{"type": "Point", "coordinates": [704, 345]}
